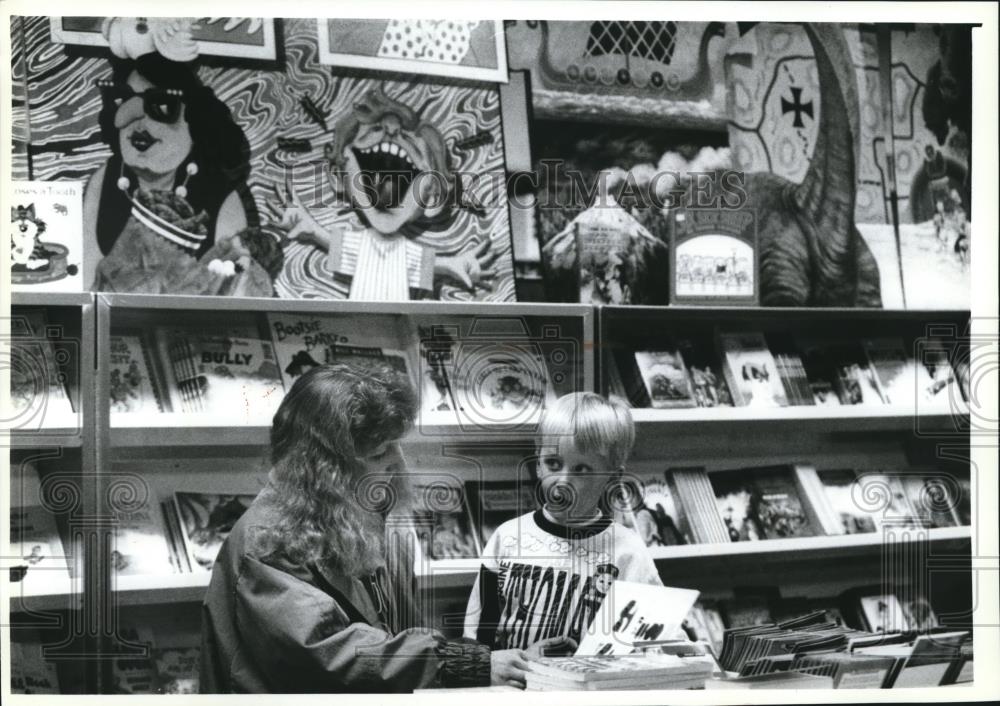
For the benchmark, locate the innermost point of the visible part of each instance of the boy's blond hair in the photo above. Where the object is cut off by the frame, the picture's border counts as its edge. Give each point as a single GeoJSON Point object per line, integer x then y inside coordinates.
{"type": "Point", "coordinates": [597, 424]}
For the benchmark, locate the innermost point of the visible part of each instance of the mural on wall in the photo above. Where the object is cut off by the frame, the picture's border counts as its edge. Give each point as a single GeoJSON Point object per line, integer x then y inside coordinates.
{"type": "Point", "coordinates": [287, 119]}
{"type": "Point", "coordinates": [774, 111]}
{"type": "Point", "coordinates": [630, 69]}
{"type": "Point", "coordinates": [811, 253]}
{"type": "Point", "coordinates": [459, 49]}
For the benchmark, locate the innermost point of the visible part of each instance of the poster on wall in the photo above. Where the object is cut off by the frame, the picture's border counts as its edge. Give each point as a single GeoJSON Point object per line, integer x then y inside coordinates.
{"type": "Point", "coordinates": [46, 240]}
{"type": "Point", "coordinates": [220, 183]}
{"type": "Point", "coordinates": [472, 49]}
{"type": "Point", "coordinates": [244, 37]}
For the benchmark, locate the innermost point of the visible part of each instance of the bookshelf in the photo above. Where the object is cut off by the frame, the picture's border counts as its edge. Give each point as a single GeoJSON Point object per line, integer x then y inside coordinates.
{"type": "Point", "coordinates": [58, 441]}
{"type": "Point", "coordinates": [900, 437]}
{"type": "Point", "coordinates": [212, 453]}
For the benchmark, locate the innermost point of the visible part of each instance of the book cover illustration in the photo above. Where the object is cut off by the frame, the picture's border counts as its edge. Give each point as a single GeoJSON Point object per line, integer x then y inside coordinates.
{"type": "Point", "coordinates": [38, 373]}
{"type": "Point", "coordinates": [494, 502]}
{"type": "Point", "coordinates": [883, 613]}
{"type": "Point", "coordinates": [364, 356]}
{"type": "Point", "coordinates": [707, 381]}
{"type": "Point", "coordinates": [46, 236]}
{"type": "Point", "coordinates": [895, 370]}
{"type": "Point", "coordinates": [230, 372]}
{"type": "Point", "coordinates": [443, 522]}
{"type": "Point", "coordinates": [299, 341]}
{"type": "Point", "coordinates": [734, 498]}
{"type": "Point", "coordinates": [751, 371]}
{"type": "Point", "coordinates": [840, 488]}
{"type": "Point", "coordinates": [761, 504]}
{"type": "Point", "coordinates": [133, 386]}
{"type": "Point", "coordinates": [665, 378]}
{"type": "Point", "coordinates": [886, 498]}
{"type": "Point", "coordinates": [714, 256]}
{"type": "Point", "coordinates": [30, 672]}
{"type": "Point", "coordinates": [659, 520]}
{"type": "Point", "coordinates": [854, 379]}
{"type": "Point", "coordinates": [437, 350]}
{"type": "Point", "coordinates": [499, 383]}
{"type": "Point", "coordinates": [937, 384]}
{"type": "Point", "coordinates": [604, 263]}
{"type": "Point", "coordinates": [176, 670]}
{"type": "Point", "coordinates": [932, 499]}
{"type": "Point", "coordinates": [140, 540]}
{"type": "Point", "coordinates": [35, 544]}
{"type": "Point", "coordinates": [206, 520]}
{"type": "Point", "coordinates": [820, 371]}
{"type": "Point", "coordinates": [635, 612]}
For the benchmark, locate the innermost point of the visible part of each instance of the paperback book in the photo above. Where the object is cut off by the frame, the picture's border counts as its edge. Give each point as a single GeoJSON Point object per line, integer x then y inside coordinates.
{"type": "Point", "coordinates": [708, 383]}
{"type": "Point", "coordinates": [227, 372]}
{"type": "Point", "coordinates": [35, 544]}
{"type": "Point", "coordinates": [133, 384]}
{"type": "Point", "coordinates": [206, 519]}
{"type": "Point", "coordinates": [895, 370]}
{"type": "Point", "coordinates": [30, 672]}
{"type": "Point", "coordinates": [38, 371]}
{"type": "Point", "coordinates": [762, 503]}
{"type": "Point", "coordinates": [665, 378]}
{"type": "Point", "coordinates": [750, 370]}
{"type": "Point", "coordinates": [443, 522]}
{"type": "Point", "coordinates": [140, 540]}
{"type": "Point", "coordinates": [659, 519]}
{"type": "Point", "coordinates": [494, 502]}
{"type": "Point", "coordinates": [693, 489]}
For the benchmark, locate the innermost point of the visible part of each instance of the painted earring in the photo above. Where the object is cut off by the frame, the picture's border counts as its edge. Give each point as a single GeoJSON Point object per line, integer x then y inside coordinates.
{"type": "Point", "coordinates": [123, 182]}
{"type": "Point", "coordinates": [191, 170]}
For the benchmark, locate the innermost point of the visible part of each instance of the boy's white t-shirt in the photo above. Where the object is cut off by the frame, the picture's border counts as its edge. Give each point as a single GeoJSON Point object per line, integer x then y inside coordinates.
{"type": "Point", "coordinates": [539, 579]}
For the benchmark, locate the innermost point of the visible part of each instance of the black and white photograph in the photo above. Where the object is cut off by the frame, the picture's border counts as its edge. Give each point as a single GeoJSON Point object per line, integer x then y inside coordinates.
{"type": "Point", "coordinates": [409, 350]}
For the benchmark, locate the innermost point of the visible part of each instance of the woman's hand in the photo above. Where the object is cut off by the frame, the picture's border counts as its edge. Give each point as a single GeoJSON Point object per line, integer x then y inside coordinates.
{"type": "Point", "coordinates": [508, 667]}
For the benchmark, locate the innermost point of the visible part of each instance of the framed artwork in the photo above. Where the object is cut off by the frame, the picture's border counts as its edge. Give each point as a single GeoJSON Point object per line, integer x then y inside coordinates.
{"type": "Point", "coordinates": [470, 49]}
{"type": "Point", "coordinates": [243, 37]}
{"type": "Point", "coordinates": [714, 257]}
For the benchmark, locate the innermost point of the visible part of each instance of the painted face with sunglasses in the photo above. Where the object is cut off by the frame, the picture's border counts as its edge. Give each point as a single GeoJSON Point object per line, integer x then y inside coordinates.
{"type": "Point", "coordinates": [154, 137]}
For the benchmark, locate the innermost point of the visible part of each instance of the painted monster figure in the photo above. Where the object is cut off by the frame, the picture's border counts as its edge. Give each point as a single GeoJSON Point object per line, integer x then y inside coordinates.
{"type": "Point", "coordinates": [393, 168]}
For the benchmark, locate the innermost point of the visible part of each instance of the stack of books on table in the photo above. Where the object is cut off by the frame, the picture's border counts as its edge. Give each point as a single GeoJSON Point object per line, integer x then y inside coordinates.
{"type": "Point", "coordinates": [619, 673]}
{"type": "Point", "coordinates": [814, 645]}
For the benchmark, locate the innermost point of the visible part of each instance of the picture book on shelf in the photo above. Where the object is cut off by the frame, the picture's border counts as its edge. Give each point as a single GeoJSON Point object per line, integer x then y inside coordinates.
{"type": "Point", "coordinates": [443, 522]}
{"type": "Point", "coordinates": [500, 383]}
{"type": "Point", "coordinates": [659, 518]}
{"type": "Point", "coordinates": [206, 520]}
{"type": "Point", "coordinates": [46, 236]}
{"type": "Point", "coordinates": [635, 612]}
{"type": "Point", "coordinates": [133, 383]}
{"type": "Point", "coordinates": [937, 383]}
{"type": "Point", "coordinates": [895, 370]}
{"type": "Point", "coordinates": [38, 372]}
{"type": "Point", "coordinates": [35, 545]}
{"type": "Point", "coordinates": [140, 540]}
{"type": "Point", "coordinates": [932, 497]}
{"type": "Point", "coordinates": [885, 495]}
{"type": "Point", "coordinates": [846, 366]}
{"type": "Point", "coordinates": [750, 370]}
{"type": "Point", "coordinates": [231, 372]}
{"type": "Point", "coordinates": [762, 503]}
{"type": "Point", "coordinates": [494, 502]}
{"type": "Point", "coordinates": [436, 350]}
{"type": "Point", "coordinates": [883, 613]}
{"type": "Point", "coordinates": [176, 669]}
{"type": "Point", "coordinates": [300, 340]}
{"type": "Point", "coordinates": [708, 384]}
{"type": "Point", "coordinates": [30, 672]}
{"type": "Point", "coordinates": [843, 493]}
{"type": "Point", "coordinates": [665, 378]}
{"type": "Point", "coordinates": [790, 369]}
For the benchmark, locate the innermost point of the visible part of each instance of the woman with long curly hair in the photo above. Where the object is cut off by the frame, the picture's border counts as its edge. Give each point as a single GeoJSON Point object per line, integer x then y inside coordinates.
{"type": "Point", "coordinates": [307, 594]}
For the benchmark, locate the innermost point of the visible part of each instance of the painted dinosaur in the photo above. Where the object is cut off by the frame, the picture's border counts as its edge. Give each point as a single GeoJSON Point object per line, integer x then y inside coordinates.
{"type": "Point", "coordinates": [811, 253]}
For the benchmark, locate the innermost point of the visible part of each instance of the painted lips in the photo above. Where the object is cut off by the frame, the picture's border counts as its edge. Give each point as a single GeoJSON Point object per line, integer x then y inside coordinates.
{"type": "Point", "coordinates": [142, 140]}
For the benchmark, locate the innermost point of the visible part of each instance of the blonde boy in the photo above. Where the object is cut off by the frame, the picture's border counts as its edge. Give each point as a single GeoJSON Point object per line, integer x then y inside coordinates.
{"type": "Point", "coordinates": [545, 574]}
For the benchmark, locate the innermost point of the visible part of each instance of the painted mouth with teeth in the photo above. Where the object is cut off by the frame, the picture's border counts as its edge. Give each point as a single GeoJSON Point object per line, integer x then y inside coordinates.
{"type": "Point", "coordinates": [141, 140]}
{"type": "Point", "coordinates": [386, 173]}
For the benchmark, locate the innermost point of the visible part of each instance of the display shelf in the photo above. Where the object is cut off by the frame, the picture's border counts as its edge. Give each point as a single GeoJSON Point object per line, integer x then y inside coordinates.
{"type": "Point", "coordinates": [802, 548]}
{"type": "Point", "coordinates": [77, 299]}
{"type": "Point", "coordinates": [830, 419]}
{"type": "Point", "coordinates": [53, 592]}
